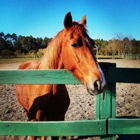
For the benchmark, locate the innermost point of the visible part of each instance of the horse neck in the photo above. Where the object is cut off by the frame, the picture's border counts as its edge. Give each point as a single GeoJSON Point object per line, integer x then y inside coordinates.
{"type": "Point", "coordinates": [52, 56]}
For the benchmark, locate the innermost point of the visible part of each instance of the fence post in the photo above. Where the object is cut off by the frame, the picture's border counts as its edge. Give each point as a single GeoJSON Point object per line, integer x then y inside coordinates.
{"type": "Point", "coordinates": [106, 102]}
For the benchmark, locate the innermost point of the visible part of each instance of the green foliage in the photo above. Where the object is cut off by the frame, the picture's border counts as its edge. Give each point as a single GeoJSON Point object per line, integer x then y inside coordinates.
{"type": "Point", "coordinates": [45, 42]}
{"type": "Point", "coordinates": [40, 53]}
{"type": "Point", "coordinates": [112, 47]}
{"type": "Point", "coordinates": [121, 47]}
{"type": "Point", "coordinates": [7, 53]}
{"type": "Point", "coordinates": [3, 44]}
{"type": "Point", "coordinates": [17, 53]}
{"type": "Point", "coordinates": [1, 35]}
{"type": "Point", "coordinates": [23, 43]}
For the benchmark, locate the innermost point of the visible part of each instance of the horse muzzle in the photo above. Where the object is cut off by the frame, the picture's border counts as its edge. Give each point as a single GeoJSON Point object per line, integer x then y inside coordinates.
{"type": "Point", "coordinates": [96, 87]}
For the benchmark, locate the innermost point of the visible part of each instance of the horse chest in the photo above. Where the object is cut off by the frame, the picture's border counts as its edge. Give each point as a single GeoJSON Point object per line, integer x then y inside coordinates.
{"type": "Point", "coordinates": [50, 105]}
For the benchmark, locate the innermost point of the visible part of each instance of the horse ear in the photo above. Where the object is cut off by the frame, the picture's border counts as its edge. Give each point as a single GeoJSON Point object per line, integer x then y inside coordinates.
{"type": "Point", "coordinates": [83, 20]}
{"type": "Point", "coordinates": [68, 20]}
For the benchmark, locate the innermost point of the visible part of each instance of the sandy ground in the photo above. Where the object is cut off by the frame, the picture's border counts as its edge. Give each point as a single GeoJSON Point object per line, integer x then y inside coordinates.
{"type": "Point", "coordinates": [120, 63]}
{"type": "Point", "coordinates": [82, 104]}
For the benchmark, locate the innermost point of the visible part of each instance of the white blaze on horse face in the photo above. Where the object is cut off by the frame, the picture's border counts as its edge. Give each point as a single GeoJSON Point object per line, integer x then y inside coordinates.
{"type": "Point", "coordinates": [87, 41]}
{"type": "Point", "coordinates": [95, 48]}
{"type": "Point", "coordinates": [103, 77]}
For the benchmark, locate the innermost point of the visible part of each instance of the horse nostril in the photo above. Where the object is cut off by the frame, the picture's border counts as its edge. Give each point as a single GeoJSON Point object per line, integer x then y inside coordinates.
{"type": "Point", "coordinates": [94, 87]}
{"type": "Point", "coordinates": [97, 85]}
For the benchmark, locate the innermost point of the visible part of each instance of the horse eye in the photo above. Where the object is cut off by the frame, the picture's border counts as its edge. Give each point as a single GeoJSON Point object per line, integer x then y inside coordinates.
{"type": "Point", "coordinates": [74, 45]}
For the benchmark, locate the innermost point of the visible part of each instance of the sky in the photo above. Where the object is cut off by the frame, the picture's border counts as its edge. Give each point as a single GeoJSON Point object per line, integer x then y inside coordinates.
{"type": "Point", "coordinates": [44, 18]}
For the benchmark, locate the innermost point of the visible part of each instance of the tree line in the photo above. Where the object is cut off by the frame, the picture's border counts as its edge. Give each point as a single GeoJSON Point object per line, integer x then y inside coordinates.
{"type": "Point", "coordinates": [12, 45]}
{"type": "Point", "coordinates": [118, 46]}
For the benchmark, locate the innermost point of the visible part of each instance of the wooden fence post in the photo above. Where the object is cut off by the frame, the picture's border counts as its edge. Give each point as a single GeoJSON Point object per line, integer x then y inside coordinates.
{"type": "Point", "coordinates": [106, 102]}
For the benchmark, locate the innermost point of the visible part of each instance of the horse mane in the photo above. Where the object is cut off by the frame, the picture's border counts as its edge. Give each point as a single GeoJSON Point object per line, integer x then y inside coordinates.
{"type": "Point", "coordinates": [52, 53]}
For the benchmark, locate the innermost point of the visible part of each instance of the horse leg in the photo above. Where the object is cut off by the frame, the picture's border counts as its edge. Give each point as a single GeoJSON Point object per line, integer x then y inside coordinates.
{"type": "Point", "coordinates": [54, 138]}
{"type": "Point", "coordinates": [38, 118]}
{"type": "Point", "coordinates": [31, 138]}
{"type": "Point", "coordinates": [43, 138]}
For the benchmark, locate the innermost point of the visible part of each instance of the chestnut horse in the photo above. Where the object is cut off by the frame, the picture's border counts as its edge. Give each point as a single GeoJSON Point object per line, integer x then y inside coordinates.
{"type": "Point", "coordinates": [71, 49]}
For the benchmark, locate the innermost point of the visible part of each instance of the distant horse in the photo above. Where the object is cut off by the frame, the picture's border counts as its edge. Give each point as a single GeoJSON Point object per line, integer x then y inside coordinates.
{"type": "Point", "coordinates": [70, 49]}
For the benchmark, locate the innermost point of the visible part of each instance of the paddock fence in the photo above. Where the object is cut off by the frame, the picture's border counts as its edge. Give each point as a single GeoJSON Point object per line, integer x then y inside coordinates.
{"type": "Point", "coordinates": [105, 125]}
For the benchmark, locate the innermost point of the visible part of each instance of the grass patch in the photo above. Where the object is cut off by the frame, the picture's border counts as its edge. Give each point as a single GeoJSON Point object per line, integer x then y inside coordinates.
{"type": "Point", "coordinates": [108, 57]}
{"type": "Point", "coordinates": [20, 60]}
{"type": "Point", "coordinates": [15, 60]}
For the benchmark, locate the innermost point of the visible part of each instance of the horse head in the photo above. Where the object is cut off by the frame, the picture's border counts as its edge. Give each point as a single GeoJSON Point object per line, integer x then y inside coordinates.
{"type": "Point", "coordinates": [78, 56]}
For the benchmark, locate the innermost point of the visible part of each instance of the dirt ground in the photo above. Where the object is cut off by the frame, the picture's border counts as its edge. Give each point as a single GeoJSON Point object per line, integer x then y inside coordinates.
{"type": "Point", "coordinates": [82, 104]}
{"type": "Point", "coordinates": [120, 63]}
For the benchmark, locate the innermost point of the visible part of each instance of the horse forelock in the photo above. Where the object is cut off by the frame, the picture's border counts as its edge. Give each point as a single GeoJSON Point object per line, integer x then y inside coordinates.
{"type": "Point", "coordinates": [78, 28]}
